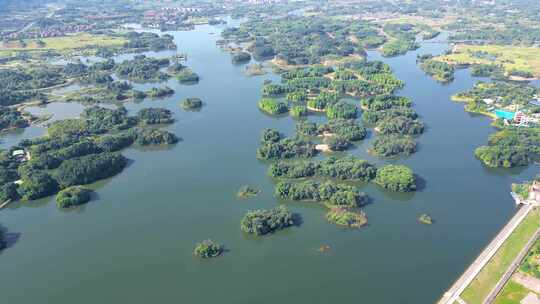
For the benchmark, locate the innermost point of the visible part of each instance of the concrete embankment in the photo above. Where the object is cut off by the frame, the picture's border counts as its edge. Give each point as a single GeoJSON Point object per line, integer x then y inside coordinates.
{"type": "Point", "coordinates": [453, 294]}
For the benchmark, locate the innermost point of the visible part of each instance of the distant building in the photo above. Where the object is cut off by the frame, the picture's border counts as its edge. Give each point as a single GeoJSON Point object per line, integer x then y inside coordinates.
{"type": "Point", "coordinates": [535, 102]}
{"type": "Point", "coordinates": [488, 101]}
{"type": "Point", "coordinates": [20, 155]}
{"type": "Point", "coordinates": [521, 119]}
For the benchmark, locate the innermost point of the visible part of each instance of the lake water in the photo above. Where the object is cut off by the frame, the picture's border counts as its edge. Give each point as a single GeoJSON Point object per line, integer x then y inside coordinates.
{"type": "Point", "coordinates": [134, 242]}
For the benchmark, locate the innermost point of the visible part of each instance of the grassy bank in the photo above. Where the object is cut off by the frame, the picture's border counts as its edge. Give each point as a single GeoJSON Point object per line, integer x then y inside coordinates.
{"type": "Point", "coordinates": [512, 293]}
{"type": "Point", "coordinates": [499, 263]}
{"type": "Point", "coordinates": [510, 57]}
{"type": "Point", "coordinates": [468, 100]}
{"type": "Point", "coordinates": [65, 43]}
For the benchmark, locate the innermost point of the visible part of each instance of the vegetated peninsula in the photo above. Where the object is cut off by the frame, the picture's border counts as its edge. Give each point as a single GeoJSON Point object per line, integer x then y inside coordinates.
{"type": "Point", "coordinates": [37, 82]}
{"type": "Point", "coordinates": [77, 152]}
{"type": "Point", "coordinates": [513, 107]}
{"type": "Point", "coordinates": [439, 70]}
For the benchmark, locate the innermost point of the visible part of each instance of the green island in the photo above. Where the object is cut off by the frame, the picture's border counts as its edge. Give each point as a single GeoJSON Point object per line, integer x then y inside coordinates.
{"type": "Point", "coordinates": [187, 76]}
{"type": "Point", "coordinates": [191, 104]}
{"type": "Point", "coordinates": [425, 219]}
{"type": "Point", "coordinates": [299, 111]}
{"type": "Point", "coordinates": [331, 194]}
{"type": "Point", "coordinates": [348, 168]}
{"type": "Point", "coordinates": [152, 116]}
{"type": "Point", "coordinates": [76, 152]}
{"type": "Point", "coordinates": [241, 57]}
{"type": "Point", "coordinates": [208, 249]}
{"type": "Point", "coordinates": [402, 38]}
{"type": "Point", "coordinates": [272, 106]}
{"type": "Point", "coordinates": [396, 178]}
{"type": "Point", "coordinates": [275, 146]}
{"type": "Point", "coordinates": [142, 69]}
{"type": "Point", "coordinates": [346, 218]}
{"type": "Point", "coordinates": [73, 196]}
{"type": "Point", "coordinates": [439, 70]}
{"type": "Point", "coordinates": [247, 191]}
{"type": "Point", "coordinates": [261, 222]}
{"type": "Point", "coordinates": [160, 92]}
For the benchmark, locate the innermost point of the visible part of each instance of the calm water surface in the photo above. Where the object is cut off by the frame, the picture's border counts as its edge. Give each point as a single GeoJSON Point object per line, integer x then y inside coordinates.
{"type": "Point", "coordinates": [133, 243]}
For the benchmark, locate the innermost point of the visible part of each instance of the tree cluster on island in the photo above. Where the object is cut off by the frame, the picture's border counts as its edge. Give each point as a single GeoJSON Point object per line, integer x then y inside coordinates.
{"type": "Point", "coordinates": [208, 249]}
{"type": "Point", "coordinates": [187, 76]}
{"type": "Point", "coordinates": [392, 177]}
{"type": "Point", "coordinates": [73, 196]}
{"type": "Point", "coordinates": [306, 35]}
{"type": "Point", "coordinates": [395, 121]}
{"type": "Point", "coordinates": [160, 92]}
{"type": "Point", "coordinates": [76, 152]}
{"type": "Point", "coordinates": [439, 70]}
{"type": "Point", "coordinates": [191, 104]}
{"type": "Point", "coordinates": [510, 147]}
{"type": "Point", "coordinates": [275, 146]}
{"type": "Point", "coordinates": [261, 222]}
{"type": "Point", "coordinates": [403, 39]}
{"type": "Point", "coordinates": [240, 57]}
{"type": "Point", "coordinates": [329, 193]}
{"type": "Point", "coordinates": [247, 191]}
{"type": "Point", "coordinates": [425, 219]}
{"type": "Point", "coordinates": [346, 168]}
{"type": "Point", "coordinates": [143, 69]}
{"type": "Point", "coordinates": [347, 218]}
{"type": "Point", "coordinates": [35, 82]}
{"type": "Point", "coordinates": [12, 119]}
{"type": "Point", "coordinates": [152, 116]}
{"type": "Point", "coordinates": [272, 106]}
{"type": "Point", "coordinates": [396, 178]}
{"type": "Point", "coordinates": [149, 41]}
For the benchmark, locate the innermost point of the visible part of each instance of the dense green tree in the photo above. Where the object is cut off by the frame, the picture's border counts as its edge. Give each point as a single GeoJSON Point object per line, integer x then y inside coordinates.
{"type": "Point", "coordinates": [88, 169]}
{"type": "Point", "coordinates": [341, 110]}
{"type": "Point", "coordinates": [73, 196]}
{"type": "Point", "coordinates": [400, 125]}
{"type": "Point", "coordinates": [396, 178]}
{"type": "Point", "coordinates": [37, 185]}
{"type": "Point", "coordinates": [152, 116]}
{"type": "Point", "coordinates": [142, 68]}
{"type": "Point", "coordinates": [272, 106]}
{"type": "Point", "coordinates": [146, 136]}
{"type": "Point", "coordinates": [241, 57]}
{"type": "Point", "coordinates": [261, 222]}
{"type": "Point", "coordinates": [192, 103]}
{"type": "Point", "coordinates": [208, 249]}
{"type": "Point", "coordinates": [329, 193]}
{"type": "Point", "coordinates": [286, 148]}
{"type": "Point", "coordinates": [393, 145]}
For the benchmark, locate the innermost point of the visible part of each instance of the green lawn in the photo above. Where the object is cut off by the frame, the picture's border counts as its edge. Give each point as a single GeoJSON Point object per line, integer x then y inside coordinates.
{"type": "Point", "coordinates": [512, 293]}
{"type": "Point", "coordinates": [495, 268]}
{"type": "Point", "coordinates": [65, 43]}
{"type": "Point", "coordinates": [510, 57]}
